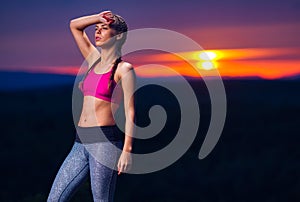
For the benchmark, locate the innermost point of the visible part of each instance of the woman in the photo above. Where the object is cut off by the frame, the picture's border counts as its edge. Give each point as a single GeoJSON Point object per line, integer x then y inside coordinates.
{"type": "Point", "coordinates": [96, 129]}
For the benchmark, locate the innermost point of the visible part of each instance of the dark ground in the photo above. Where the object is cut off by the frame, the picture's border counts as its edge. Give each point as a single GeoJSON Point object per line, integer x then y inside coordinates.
{"type": "Point", "coordinates": [256, 159]}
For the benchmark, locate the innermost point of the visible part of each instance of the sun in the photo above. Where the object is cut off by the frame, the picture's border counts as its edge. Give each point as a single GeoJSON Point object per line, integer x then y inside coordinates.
{"type": "Point", "coordinates": [207, 55]}
{"type": "Point", "coordinates": [204, 59]}
{"type": "Point", "coordinates": [207, 65]}
{"type": "Point", "coordinates": [207, 60]}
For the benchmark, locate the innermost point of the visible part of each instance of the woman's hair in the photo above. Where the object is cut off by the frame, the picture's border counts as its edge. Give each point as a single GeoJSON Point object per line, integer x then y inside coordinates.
{"type": "Point", "coordinates": [114, 68]}
{"type": "Point", "coordinates": [120, 26]}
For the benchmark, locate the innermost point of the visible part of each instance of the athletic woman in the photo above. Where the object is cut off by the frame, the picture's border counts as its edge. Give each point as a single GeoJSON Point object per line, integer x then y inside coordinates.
{"type": "Point", "coordinates": [100, 150]}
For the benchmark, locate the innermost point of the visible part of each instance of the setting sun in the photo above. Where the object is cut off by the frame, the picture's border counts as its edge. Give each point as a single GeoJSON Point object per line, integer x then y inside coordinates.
{"type": "Point", "coordinates": [207, 55]}
{"type": "Point", "coordinates": [206, 65]}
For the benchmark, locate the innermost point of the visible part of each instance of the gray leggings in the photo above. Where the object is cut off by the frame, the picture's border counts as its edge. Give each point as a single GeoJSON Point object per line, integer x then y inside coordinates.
{"type": "Point", "coordinates": [99, 160]}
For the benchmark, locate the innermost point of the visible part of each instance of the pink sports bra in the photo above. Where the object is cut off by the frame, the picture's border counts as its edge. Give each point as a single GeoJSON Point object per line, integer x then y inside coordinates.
{"type": "Point", "coordinates": [97, 85]}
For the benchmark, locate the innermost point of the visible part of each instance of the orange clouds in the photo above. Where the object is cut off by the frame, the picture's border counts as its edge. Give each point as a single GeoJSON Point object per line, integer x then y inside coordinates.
{"type": "Point", "coordinates": [266, 63]}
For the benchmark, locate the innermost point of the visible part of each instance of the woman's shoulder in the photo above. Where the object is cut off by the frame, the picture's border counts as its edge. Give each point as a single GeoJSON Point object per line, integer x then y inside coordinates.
{"type": "Point", "coordinates": [125, 66]}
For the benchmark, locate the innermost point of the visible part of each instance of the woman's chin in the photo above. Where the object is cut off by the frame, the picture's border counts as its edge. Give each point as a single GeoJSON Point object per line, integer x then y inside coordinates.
{"type": "Point", "coordinates": [98, 43]}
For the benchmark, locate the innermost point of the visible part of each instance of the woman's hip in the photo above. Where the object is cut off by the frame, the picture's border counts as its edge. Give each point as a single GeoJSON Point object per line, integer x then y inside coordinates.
{"type": "Point", "coordinates": [97, 134]}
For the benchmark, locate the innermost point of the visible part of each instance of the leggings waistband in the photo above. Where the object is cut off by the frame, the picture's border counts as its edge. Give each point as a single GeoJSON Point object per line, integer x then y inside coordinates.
{"type": "Point", "coordinates": [93, 134]}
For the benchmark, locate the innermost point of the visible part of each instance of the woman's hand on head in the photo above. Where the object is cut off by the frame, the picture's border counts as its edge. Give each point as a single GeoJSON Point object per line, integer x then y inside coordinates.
{"type": "Point", "coordinates": [106, 17]}
{"type": "Point", "coordinates": [125, 162]}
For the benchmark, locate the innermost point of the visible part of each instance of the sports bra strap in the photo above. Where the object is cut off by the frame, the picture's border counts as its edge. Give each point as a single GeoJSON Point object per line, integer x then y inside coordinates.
{"type": "Point", "coordinates": [93, 65]}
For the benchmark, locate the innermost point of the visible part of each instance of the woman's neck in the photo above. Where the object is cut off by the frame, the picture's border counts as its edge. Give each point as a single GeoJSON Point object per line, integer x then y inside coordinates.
{"type": "Point", "coordinates": [109, 55]}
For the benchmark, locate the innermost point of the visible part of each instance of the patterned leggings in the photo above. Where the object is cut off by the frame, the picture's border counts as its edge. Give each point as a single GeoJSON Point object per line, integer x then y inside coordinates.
{"type": "Point", "coordinates": [97, 160]}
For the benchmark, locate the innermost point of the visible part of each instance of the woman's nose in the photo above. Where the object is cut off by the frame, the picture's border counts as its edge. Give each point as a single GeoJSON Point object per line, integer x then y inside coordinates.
{"type": "Point", "coordinates": [98, 30]}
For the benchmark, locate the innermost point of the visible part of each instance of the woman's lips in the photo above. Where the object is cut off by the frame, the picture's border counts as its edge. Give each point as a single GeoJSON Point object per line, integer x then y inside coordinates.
{"type": "Point", "coordinates": [97, 38]}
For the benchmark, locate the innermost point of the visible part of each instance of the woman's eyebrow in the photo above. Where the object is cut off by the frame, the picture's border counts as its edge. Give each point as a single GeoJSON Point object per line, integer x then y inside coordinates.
{"type": "Point", "coordinates": [102, 25]}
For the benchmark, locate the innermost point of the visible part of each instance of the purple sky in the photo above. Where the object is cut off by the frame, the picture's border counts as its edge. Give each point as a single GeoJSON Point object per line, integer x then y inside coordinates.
{"type": "Point", "coordinates": [36, 33]}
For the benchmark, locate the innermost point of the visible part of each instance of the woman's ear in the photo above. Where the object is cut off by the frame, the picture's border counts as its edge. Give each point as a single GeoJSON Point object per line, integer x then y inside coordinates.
{"type": "Point", "coordinates": [119, 36]}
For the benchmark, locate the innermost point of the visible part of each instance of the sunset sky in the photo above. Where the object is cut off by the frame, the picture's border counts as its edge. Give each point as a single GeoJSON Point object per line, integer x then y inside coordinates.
{"type": "Point", "coordinates": [249, 38]}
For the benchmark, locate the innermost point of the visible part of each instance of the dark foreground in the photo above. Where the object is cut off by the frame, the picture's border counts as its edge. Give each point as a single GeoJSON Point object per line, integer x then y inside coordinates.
{"type": "Point", "coordinates": [256, 159]}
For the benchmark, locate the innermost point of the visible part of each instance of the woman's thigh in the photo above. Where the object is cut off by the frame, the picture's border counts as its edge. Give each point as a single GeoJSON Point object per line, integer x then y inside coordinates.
{"type": "Point", "coordinates": [72, 173]}
{"type": "Point", "coordinates": [103, 158]}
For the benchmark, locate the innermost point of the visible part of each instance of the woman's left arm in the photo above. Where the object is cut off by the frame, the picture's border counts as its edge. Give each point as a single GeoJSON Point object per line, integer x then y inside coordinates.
{"type": "Point", "coordinates": [128, 79]}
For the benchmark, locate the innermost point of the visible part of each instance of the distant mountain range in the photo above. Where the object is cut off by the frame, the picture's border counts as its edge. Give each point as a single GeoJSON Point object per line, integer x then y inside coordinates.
{"type": "Point", "coordinates": [16, 81]}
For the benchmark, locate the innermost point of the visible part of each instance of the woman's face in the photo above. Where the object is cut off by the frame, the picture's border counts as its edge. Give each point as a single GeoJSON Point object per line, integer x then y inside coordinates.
{"type": "Point", "coordinates": [104, 34]}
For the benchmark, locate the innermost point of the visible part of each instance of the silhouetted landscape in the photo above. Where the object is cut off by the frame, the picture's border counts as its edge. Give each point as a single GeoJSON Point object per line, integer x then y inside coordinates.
{"type": "Point", "coordinates": [256, 159]}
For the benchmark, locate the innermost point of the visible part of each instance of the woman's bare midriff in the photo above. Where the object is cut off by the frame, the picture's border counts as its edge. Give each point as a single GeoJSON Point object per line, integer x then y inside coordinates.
{"type": "Point", "coordinates": [97, 112]}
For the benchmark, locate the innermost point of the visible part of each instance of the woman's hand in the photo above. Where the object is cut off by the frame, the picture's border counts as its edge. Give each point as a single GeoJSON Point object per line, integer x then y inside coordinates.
{"type": "Point", "coordinates": [125, 162]}
{"type": "Point", "coordinates": [106, 17]}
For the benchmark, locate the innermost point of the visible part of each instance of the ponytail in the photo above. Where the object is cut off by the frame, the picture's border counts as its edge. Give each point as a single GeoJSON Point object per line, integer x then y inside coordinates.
{"type": "Point", "coordinates": [114, 68]}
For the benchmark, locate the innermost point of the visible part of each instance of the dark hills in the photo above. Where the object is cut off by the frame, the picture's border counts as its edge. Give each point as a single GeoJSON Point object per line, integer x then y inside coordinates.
{"type": "Point", "coordinates": [256, 158]}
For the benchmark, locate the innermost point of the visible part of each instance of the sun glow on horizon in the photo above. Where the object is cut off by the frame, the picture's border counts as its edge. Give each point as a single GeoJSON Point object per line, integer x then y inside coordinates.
{"type": "Point", "coordinates": [207, 65]}
{"type": "Point", "coordinates": [266, 63]}
{"type": "Point", "coordinates": [207, 55]}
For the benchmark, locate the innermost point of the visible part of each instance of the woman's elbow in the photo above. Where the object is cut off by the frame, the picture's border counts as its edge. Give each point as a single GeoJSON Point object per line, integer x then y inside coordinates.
{"type": "Point", "coordinates": [72, 24]}
{"type": "Point", "coordinates": [130, 113]}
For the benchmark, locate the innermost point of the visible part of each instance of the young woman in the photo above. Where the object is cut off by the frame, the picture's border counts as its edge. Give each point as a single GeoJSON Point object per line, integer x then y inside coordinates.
{"type": "Point", "coordinates": [96, 127]}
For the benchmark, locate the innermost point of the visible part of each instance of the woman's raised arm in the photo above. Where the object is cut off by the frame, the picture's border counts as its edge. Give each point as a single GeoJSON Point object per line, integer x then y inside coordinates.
{"type": "Point", "coordinates": [77, 26]}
